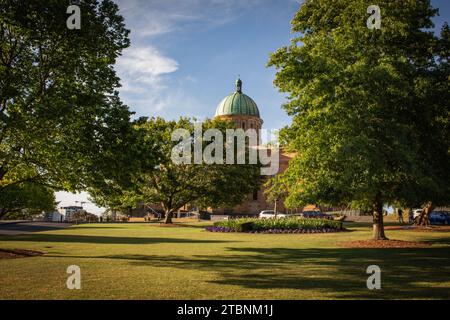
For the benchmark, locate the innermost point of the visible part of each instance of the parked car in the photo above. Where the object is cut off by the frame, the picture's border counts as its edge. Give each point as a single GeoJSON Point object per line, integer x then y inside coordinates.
{"type": "Point", "coordinates": [316, 214]}
{"type": "Point", "coordinates": [269, 214]}
{"type": "Point", "coordinates": [417, 212]}
{"type": "Point", "coordinates": [439, 217]}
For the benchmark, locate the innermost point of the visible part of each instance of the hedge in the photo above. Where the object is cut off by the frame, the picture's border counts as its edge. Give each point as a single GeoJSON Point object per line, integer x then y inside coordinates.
{"type": "Point", "coordinates": [276, 225]}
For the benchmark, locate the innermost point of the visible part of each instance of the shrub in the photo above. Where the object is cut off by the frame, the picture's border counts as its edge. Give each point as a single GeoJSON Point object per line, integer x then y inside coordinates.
{"type": "Point", "coordinates": [236, 225]}
{"type": "Point", "coordinates": [244, 226]}
{"type": "Point", "coordinates": [279, 225]}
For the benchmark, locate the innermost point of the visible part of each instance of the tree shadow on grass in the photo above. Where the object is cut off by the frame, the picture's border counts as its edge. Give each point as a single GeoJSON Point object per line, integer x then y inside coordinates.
{"type": "Point", "coordinates": [65, 238]}
{"type": "Point", "coordinates": [338, 272]}
{"type": "Point", "coordinates": [149, 224]}
{"type": "Point", "coordinates": [406, 273]}
{"type": "Point", "coordinates": [30, 228]}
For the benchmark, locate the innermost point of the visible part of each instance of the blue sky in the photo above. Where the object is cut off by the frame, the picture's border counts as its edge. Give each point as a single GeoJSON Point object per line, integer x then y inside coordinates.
{"type": "Point", "coordinates": [201, 48]}
{"type": "Point", "coordinates": [185, 56]}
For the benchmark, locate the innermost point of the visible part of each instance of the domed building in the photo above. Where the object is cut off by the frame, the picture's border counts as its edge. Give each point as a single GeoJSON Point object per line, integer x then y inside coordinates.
{"type": "Point", "coordinates": [244, 112]}
{"type": "Point", "coordinates": [241, 109]}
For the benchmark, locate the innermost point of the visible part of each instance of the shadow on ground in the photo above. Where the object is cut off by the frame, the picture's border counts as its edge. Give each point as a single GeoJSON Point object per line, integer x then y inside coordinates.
{"type": "Point", "coordinates": [27, 227]}
{"type": "Point", "coordinates": [64, 238]}
{"type": "Point", "coordinates": [339, 272]}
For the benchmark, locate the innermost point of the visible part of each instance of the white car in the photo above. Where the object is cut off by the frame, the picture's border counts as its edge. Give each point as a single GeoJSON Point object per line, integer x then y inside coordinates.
{"type": "Point", "coordinates": [417, 212]}
{"type": "Point", "coordinates": [269, 214]}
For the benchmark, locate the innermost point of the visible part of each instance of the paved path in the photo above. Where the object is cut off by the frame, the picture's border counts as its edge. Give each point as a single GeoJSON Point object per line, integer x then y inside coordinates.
{"type": "Point", "coordinates": [24, 227]}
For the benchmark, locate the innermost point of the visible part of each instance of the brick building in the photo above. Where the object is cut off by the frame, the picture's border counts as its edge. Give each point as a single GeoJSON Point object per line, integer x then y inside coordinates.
{"type": "Point", "coordinates": [244, 112]}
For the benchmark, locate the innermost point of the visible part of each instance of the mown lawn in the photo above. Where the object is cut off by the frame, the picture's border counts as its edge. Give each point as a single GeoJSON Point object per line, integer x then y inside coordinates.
{"type": "Point", "coordinates": [146, 261]}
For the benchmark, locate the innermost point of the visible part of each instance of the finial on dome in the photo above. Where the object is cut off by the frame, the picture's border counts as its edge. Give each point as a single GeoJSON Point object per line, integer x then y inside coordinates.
{"type": "Point", "coordinates": [239, 85]}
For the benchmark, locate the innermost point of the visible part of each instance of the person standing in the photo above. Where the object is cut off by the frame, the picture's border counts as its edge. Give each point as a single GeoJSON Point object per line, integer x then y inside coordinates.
{"type": "Point", "coordinates": [400, 215]}
{"type": "Point", "coordinates": [411, 216]}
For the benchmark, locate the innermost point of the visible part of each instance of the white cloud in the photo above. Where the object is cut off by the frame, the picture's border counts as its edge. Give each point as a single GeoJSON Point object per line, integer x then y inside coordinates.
{"type": "Point", "coordinates": [144, 68]}
{"type": "Point", "coordinates": [146, 61]}
{"type": "Point", "coordinates": [141, 68]}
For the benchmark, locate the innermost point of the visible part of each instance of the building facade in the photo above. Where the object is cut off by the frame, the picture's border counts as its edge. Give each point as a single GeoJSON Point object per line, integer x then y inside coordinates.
{"type": "Point", "coordinates": [54, 216]}
{"type": "Point", "coordinates": [69, 211]}
{"type": "Point", "coordinates": [244, 113]}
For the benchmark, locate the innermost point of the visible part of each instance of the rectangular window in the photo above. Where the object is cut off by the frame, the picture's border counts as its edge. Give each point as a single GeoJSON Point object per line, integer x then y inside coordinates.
{"type": "Point", "coordinates": [255, 195]}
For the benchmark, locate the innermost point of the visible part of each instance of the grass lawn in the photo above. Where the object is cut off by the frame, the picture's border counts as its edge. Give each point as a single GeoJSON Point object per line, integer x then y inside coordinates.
{"type": "Point", "coordinates": [146, 261]}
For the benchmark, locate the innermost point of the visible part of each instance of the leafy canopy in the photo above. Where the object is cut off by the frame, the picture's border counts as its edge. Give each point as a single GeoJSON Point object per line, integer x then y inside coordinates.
{"type": "Point", "coordinates": [173, 185]}
{"type": "Point", "coordinates": [369, 107]}
{"type": "Point", "coordinates": [62, 123]}
{"type": "Point", "coordinates": [26, 198]}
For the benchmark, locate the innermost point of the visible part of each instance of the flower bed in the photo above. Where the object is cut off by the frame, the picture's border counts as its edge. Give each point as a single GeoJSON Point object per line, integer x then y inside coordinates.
{"type": "Point", "coordinates": [278, 226]}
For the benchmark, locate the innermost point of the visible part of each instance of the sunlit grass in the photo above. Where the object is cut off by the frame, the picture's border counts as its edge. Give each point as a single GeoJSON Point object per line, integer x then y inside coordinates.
{"type": "Point", "coordinates": [147, 261]}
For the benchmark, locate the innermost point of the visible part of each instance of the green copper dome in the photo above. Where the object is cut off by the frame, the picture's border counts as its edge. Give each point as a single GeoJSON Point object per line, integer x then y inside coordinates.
{"type": "Point", "coordinates": [237, 103]}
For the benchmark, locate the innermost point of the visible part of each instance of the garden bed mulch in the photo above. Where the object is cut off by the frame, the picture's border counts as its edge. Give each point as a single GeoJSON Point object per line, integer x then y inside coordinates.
{"type": "Point", "coordinates": [416, 228]}
{"type": "Point", "coordinates": [383, 244]}
{"type": "Point", "coordinates": [18, 253]}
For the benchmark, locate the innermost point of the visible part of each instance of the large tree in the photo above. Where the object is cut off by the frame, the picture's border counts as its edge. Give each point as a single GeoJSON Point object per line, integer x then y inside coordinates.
{"type": "Point", "coordinates": [433, 131]}
{"type": "Point", "coordinates": [369, 106]}
{"type": "Point", "coordinates": [25, 198]}
{"type": "Point", "coordinates": [173, 185]}
{"type": "Point", "coordinates": [62, 123]}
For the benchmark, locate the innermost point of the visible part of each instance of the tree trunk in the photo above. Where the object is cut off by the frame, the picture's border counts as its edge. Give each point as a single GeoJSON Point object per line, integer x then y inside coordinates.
{"type": "Point", "coordinates": [2, 172]}
{"type": "Point", "coordinates": [378, 225]}
{"type": "Point", "coordinates": [168, 218]}
{"type": "Point", "coordinates": [423, 219]}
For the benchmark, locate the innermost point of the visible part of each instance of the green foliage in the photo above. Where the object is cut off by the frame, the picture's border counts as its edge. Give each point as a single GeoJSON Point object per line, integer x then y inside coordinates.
{"type": "Point", "coordinates": [275, 189]}
{"type": "Point", "coordinates": [236, 225]}
{"type": "Point", "coordinates": [61, 121]}
{"type": "Point", "coordinates": [291, 223]}
{"type": "Point", "coordinates": [369, 107]}
{"type": "Point", "coordinates": [174, 185]}
{"type": "Point", "coordinates": [82, 215]}
{"type": "Point", "coordinates": [25, 198]}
